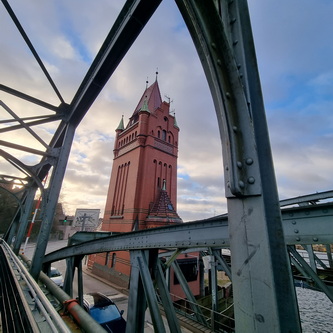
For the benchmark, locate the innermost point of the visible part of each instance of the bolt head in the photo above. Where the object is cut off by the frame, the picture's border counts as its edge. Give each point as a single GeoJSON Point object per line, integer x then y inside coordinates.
{"type": "Point", "coordinates": [251, 180]}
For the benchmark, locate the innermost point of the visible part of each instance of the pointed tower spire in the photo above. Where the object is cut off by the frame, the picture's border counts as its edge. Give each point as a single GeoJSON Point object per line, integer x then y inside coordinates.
{"type": "Point", "coordinates": [121, 124]}
{"type": "Point", "coordinates": [145, 106]}
{"type": "Point", "coordinates": [152, 97]}
{"type": "Point", "coordinates": [175, 121]}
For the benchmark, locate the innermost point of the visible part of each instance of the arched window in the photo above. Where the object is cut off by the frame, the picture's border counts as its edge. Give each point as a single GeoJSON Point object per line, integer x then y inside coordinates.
{"type": "Point", "coordinates": [158, 134]}
{"type": "Point", "coordinates": [107, 258]}
{"type": "Point", "coordinates": [113, 261]}
{"type": "Point", "coordinates": [164, 134]}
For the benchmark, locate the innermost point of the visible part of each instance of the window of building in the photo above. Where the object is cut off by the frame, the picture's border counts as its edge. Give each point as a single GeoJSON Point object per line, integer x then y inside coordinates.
{"type": "Point", "coordinates": [113, 262]}
{"type": "Point", "coordinates": [107, 258]}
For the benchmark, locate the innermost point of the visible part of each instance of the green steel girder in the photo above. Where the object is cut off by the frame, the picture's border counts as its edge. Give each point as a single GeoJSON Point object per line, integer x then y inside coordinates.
{"type": "Point", "coordinates": [296, 258]}
{"type": "Point", "coordinates": [130, 22]}
{"type": "Point", "coordinates": [221, 32]}
{"type": "Point", "coordinates": [136, 301]}
{"type": "Point", "coordinates": [143, 260]}
{"type": "Point", "coordinates": [211, 233]}
{"type": "Point", "coordinates": [308, 224]}
{"type": "Point", "coordinates": [166, 300]}
{"type": "Point", "coordinates": [189, 295]}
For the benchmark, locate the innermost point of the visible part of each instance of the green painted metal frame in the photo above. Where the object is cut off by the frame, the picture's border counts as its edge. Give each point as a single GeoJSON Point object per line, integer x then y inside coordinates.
{"type": "Point", "coordinates": [221, 32]}
{"type": "Point", "coordinates": [211, 233]}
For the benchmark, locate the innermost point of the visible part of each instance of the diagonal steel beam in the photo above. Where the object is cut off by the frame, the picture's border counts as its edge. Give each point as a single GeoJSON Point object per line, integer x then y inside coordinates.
{"type": "Point", "coordinates": [309, 271]}
{"type": "Point", "coordinates": [136, 301]}
{"type": "Point", "coordinates": [127, 27]}
{"type": "Point", "coordinates": [31, 47]}
{"type": "Point", "coordinates": [144, 259]}
{"type": "Point", "coordinates": [23, 148]}
{"type": "Point", "coordinates": [189, 295]}
{"type": "Point", "coordinates": [28, 98]}
{"type": "Point", "coordinates": [166, 300]}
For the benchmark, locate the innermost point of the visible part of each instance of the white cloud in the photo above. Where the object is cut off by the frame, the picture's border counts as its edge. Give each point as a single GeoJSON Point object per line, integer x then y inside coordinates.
{"type": "Point", "coordinates": [294, 50]}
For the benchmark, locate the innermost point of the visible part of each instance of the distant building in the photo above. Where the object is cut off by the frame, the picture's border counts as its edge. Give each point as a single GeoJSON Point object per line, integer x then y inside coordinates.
{"type": "Point", "coordinates": [84, 220]}
{"type": "Point", "coordinates": [143, 186]}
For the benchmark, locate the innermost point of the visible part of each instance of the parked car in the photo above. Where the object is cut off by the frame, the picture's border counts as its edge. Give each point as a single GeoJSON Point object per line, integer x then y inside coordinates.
{"type": "Point", "coordinates": [56, 276]}
{"type": "Point", "coordinates": [105, 312]}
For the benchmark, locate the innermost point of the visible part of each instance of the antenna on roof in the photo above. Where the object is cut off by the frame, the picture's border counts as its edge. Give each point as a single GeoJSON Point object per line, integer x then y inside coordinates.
{"type": "Point", "coordinates": [156, 72]}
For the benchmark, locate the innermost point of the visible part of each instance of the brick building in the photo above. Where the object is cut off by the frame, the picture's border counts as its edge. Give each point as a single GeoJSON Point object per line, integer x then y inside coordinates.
{"type": "Point", "coordinates": [143, 185]}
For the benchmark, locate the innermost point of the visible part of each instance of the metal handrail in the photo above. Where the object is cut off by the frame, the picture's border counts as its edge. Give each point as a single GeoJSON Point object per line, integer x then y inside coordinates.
{"type": "Point", "coordinates": [208, 319]}
{"type": "Point", "coordinates": [50, 314]}
{"type": "Point", "coordinates": [84, 320]}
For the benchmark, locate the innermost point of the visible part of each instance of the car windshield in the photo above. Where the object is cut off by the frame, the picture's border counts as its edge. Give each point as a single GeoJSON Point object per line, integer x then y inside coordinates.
{"type": "Point", "coordinates": [105, 314]}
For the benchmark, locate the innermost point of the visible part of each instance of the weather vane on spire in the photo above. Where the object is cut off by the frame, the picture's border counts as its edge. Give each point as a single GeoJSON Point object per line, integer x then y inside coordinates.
{"type": "Point", "coordinates": [156, 72]}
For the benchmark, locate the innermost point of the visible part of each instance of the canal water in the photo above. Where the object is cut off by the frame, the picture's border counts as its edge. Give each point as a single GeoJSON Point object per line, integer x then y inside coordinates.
{"type": "Point", "coordinates": [316, 311]}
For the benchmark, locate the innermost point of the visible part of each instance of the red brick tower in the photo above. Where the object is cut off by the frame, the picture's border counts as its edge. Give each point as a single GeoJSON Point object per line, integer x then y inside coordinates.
{"type": "Point", "coordinates": [143, 186]}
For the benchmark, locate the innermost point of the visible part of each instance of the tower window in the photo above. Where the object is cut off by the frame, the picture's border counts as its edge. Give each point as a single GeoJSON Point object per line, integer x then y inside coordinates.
{"type": "Point", "coordinates": [164, 135]}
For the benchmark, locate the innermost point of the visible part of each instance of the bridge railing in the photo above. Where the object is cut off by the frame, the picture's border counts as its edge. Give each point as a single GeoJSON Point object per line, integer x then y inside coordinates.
{"type": "Point", "coordinates": [28, 289]}
{"type": "Point", "coordinates": [321, 258]}
{"type": "Point", "coordinates": [215, 320]}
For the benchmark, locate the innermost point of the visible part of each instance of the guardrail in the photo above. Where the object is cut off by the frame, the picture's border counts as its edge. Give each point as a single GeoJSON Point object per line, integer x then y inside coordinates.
{"type": "Point", "coordinates": [20, 286]}
{"type": "Point", "coordinates": [216, 321]}
{"type": "Point", "coordinates": [322, 259]}
{"type": "Point", "coordinates": [81, 317]}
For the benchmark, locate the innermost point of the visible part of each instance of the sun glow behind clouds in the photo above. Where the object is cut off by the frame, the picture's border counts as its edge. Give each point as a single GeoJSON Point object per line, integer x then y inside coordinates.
{"type": "Point", "coordinates": [294, 49]}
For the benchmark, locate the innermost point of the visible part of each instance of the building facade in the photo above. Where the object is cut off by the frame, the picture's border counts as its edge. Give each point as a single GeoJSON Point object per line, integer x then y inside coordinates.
{"type": "Point", "coordinates": [143, 185]}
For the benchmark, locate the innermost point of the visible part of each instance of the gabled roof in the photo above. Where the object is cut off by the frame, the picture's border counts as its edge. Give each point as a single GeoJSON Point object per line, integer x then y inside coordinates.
{"type": "Point", "coordinates": [153, 99]}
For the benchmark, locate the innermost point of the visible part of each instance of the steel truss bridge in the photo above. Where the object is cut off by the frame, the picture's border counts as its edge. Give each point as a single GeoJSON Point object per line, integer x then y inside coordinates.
{"type": "Point", "coordinates": [261, 240]}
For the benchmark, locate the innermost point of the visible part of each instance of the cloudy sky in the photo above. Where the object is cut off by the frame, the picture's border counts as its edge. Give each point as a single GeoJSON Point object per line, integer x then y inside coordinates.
{"type": "Point", "coordinates": [294, 47]}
